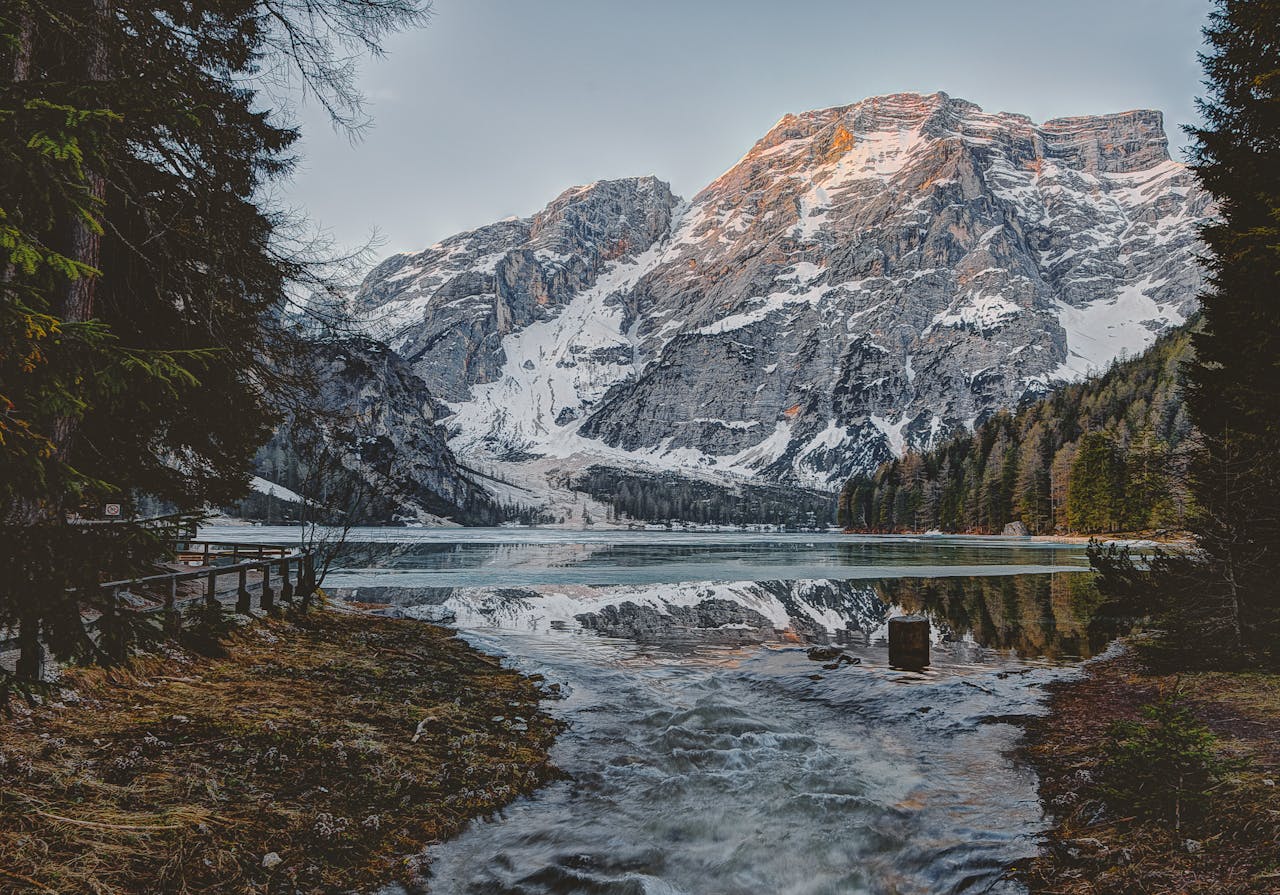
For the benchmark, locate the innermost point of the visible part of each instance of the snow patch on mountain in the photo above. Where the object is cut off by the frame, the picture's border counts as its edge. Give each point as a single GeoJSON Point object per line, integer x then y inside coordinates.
{"type": "Point", "coordinates": [864, 281]}
{"type": "Point", "coordinates": [1104, 330]}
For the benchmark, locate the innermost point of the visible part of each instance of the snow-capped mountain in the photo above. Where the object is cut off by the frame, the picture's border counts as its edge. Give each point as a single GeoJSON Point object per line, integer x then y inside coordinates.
{"type": "Point", "coordinates": [865, 279]}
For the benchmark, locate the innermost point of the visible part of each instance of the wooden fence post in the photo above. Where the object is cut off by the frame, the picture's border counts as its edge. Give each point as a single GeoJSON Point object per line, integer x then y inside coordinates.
{"type": "Point", "coordinates": [243, 604]}
{"type": "Point", "coordinates": [112, 639]}
{"type": "Point", "coordinates": [211, 590]}
{"type": "Point", "coordinates": [286, 584]}
{"type": "Point", "coordinates": [268, 595]}
{"type": "Point", "coordinates": [172, 618]}
{"type": "Point", "coordinates": [307, 579]}
{"type": "Point", "coordinates": [31, 650]}
{"type": "Point", "coordinates": [909, 642]}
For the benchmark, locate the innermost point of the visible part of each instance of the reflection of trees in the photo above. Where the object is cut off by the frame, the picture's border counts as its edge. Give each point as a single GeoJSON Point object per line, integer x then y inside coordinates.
{"type": "Point", "coordinates": [1051, 615]}
{"type": "Point", "coordinates": [925, 552]}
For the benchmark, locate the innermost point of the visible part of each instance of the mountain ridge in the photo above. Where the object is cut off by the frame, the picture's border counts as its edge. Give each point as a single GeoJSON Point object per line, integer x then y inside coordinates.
{"type": "Point", "coordinates": [865, 279]}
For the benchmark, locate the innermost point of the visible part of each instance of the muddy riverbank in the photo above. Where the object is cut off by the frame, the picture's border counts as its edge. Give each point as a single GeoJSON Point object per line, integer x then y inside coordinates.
{"type": "Point", "coordinates": [1095, 849]}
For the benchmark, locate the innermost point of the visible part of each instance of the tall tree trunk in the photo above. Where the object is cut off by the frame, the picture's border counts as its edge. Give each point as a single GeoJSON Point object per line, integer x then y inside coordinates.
{"type": "Point", "coordinates": [22, 51]}
{"type": "Point", "coordinates": [31, 655]}
{"type": "Point", "coordinates": [30, 666]}
{"type": "Point", "coordinates": [82, 243]}
{"type": "Point", "coordinates": [20, 72]}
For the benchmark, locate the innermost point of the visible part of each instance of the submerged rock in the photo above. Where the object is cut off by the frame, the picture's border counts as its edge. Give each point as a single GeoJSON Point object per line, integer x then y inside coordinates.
{"type": "Point", "coordinates": [842, 659]}
{"type": "Point", "coordinates": [439, 615]}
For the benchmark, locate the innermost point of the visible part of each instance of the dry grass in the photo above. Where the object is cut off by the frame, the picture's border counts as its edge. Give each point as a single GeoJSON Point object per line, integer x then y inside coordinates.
{"type": "Point", "coordinates": [1235, 848]}
{"type": "Point", "coordinates": [342, 743]}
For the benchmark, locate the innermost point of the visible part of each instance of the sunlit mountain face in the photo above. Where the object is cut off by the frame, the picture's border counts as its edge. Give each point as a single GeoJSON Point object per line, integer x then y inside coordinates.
{"type": "Point", "coordinates": [866, 279]}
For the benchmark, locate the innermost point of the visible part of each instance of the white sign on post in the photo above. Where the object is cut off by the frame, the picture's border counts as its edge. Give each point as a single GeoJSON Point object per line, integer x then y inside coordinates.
{"type": "Point", "coordinates": [113, 509]}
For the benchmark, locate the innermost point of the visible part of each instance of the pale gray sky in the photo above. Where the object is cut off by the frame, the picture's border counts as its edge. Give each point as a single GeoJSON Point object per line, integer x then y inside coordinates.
{"type": "Point", "coordinates": [498, 105]}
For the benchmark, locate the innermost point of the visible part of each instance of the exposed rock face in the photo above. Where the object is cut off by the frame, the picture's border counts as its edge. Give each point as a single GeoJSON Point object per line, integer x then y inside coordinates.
{"type": "Point", "coordinates": [381, 422]}
{"type": "Point", "coordinates": [866, 279]}
{"type": "Point", "coordinates": [399, 444]}
{"type": "Point", "coordinates": [448, 309]}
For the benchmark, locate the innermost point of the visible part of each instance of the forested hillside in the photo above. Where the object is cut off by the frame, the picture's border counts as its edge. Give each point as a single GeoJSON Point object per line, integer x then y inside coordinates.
{"type": "Point", "coordinates": [1103, 455]}
{"type": "Point", "coordinates": [669, 497]}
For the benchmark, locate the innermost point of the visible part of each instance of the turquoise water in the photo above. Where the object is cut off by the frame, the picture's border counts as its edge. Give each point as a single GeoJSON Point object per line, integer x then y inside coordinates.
{"type": "Point", "coordinates": [498, 557]}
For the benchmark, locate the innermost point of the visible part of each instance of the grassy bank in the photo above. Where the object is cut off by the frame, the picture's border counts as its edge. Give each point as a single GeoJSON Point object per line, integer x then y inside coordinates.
{"type": "Point", "coordinates": [1101, 849]}
{"type": "Point", "coordinates": [319, 754]}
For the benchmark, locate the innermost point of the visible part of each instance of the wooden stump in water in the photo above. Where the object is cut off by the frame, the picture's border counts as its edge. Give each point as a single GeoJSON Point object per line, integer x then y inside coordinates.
{"type": "Point", "coordinates": [909, 642]}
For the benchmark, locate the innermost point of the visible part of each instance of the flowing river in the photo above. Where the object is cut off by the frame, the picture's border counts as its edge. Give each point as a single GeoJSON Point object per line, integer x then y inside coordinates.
{"type": "Point", "coordinates": [706, 752]}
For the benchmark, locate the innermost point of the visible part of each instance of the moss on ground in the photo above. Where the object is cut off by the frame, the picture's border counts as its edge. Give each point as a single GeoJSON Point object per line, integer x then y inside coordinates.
{"type": "Point", "coordinates": [341, 743]}
{"type": "Point", "coordinates": [1093, 850]}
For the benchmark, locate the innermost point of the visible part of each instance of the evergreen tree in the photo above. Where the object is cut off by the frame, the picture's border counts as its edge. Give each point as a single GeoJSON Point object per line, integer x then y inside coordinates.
{"type": "Point", "coordinates": [993, 502]}
{"type": "Point", "coordinates": [1150, 491]}
{"type": "Point", "coordinates": [1060, 483]}
{"type": "Point", "coordinates": [1094, 498]}
{"type": "Point", "coordinates": [1021, 466]}
{"type": "Point", "coordinates": [143, 279]}
{"type": "Point", "coordinates": [1031, 487]}
{"type": "Point", "coordinates": [1232, 390]}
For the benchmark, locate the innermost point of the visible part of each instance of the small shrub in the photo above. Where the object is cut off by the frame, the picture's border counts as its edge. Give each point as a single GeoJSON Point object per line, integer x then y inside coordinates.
{"type": "Point", "coordinates": [122, 632]}
{"type": "Point", "coordinates": [1164, 768]}
{"type": "Point", "coordinates": [205, 627]}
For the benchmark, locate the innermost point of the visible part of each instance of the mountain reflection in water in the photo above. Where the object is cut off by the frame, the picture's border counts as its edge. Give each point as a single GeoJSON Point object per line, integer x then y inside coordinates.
{"type": "Point", "coordinates": [1050, 616]}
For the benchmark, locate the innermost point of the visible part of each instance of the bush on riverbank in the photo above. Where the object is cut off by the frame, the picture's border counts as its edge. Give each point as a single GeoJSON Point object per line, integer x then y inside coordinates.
{"type": "Point", "coordinates": [321, 754]}
{"type": "Point", "coordinates": [1164, 767]}
{"type": "Point", "coordinates": [1102, 844]}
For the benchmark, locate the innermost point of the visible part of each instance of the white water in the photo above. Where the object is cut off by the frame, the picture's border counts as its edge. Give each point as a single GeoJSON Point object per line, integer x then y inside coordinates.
{"type": "Point", "coordinates": [747, 768]}
{"type": "Point", "coordinates": [731, 771]}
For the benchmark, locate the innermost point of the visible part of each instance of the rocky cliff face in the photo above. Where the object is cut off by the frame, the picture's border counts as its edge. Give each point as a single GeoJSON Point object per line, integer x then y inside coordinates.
{"type": "Point", "coordinates": [376, 420]}
{"type": "Point", "coordinates": [866, 279]}
{"type": "Point", "coordinates": [448, 310]}
{"type": "Point", "coordinates": [388, 419]}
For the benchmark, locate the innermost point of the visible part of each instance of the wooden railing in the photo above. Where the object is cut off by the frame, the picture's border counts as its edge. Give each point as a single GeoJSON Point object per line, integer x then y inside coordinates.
{"type": "Point", "coordinates": [293, 570]}
{"type": "Point", "coordinates": [171, 526]}
{"type": "Point", "coordinates": [286, 573]}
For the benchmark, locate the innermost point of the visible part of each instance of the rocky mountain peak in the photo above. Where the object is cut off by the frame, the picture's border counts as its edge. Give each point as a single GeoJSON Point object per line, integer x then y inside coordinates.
{"type": "Point", "coordinates": [881, 135]}
{"type": "Point", "coordinates": [1108, 144]}
{"type": "Point", "coordinates": [608, 217]}
{"type": "Point", "coordinates": [867, 278]}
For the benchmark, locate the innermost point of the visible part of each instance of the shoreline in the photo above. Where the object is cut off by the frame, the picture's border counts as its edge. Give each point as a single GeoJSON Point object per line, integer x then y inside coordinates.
{"type": "Point", "coordinates": [1090, 849]}
{"type": "Point", "coordinates": [1171, 539]}
{"type": "Point", "coordinates": [324, 752]}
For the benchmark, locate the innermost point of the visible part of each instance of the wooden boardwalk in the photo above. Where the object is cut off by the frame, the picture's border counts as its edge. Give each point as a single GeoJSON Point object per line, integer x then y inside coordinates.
{"type": "Point", "coordinates": [228, 574]}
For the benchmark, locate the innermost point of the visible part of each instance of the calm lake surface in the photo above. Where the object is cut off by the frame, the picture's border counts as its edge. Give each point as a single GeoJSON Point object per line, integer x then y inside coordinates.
{"type": "Point", "coordinates": [706, 752]}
